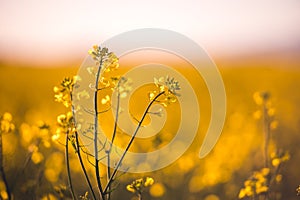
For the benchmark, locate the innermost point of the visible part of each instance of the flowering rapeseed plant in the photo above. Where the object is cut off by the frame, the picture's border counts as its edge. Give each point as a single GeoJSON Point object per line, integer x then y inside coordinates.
{"type": "Point", "coordinates": [169, 86]}
{"type": "Point", "coordinates": [6, 126]}
{"type": "Point", "coordinates": [256, 184]}
{"type": "Point", "coordinates": [138, 185]}
{"type": "Point", "coordinates": [261, 182]}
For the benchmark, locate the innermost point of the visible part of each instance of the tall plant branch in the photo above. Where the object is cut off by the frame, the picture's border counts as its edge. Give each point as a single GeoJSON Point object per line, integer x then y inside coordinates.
{"type": "Point", "coordinates": [78, 149]}
{"type": "Point", "coordinates": [97, 171]}
{"type": "Point", "coordinates": [82, 165]}
{"type": "Point", "coordinates": [78, 152]}
{"type": "Point", "coordinates": [68, 166]}
{"type": "Point", "coordinates": [266, 124]}
{"type": "Point", "coordinates": [130, 142]}
{"type": "Point", "coordinates": [112, 141]}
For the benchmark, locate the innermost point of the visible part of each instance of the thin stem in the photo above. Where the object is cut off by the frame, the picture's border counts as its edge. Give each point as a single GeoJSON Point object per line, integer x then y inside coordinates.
{"type": "Point", "coordinates": [108, 174]}
{"type": "Point", "coordinates": [97, 171]}
{"type": "Point", "coordinates": [111, 144]}
{"type": "Point", "coordinates": [68, 166]}
{"type": "Point", "coordinates": [83, 167]}
{"type": "Point", "coordinates": [267, 131]}
{"type": "Point", "coordinates": [130, 142]}
{"type": "Point", "coordinates": [2, 170]}
{"type": "Point", "coordinates": [79, 153]}
{"type": "Point", "coordinates": [140, 196]}
{"type": "Point", "coordinates": [267, 135]}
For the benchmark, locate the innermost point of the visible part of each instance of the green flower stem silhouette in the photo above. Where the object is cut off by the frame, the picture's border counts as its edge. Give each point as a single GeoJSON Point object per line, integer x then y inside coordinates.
{"type": "Point", "coordinates": [78, 152]}
{"type": "Point", "coordinates": [266, 125]}
{"type": "Point", "coordinates": [82, 166]}
{"type": "Point", "coordinates": [112, 141]}
{"type": "Point", "coordinates": [68, 166]}
{"type": "Point", "coordinates": [97, 171]}
{"type": "Point", "coordinates": [130, 142]}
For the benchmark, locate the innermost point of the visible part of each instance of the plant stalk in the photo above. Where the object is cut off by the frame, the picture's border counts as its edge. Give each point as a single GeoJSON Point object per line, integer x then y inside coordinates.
{"type": "Point", "coordinates": [130, 142]}
{"type": "Point", "coordinates": [266, 135]}
{"type": "Point", "coordinates": [79, 153]}
{"type": "Point", "coordinates": [97, 171]}
{"type": "Point", "coordinates": [68, 166]}
{"type": "Point", "coordinates": [111, 144]}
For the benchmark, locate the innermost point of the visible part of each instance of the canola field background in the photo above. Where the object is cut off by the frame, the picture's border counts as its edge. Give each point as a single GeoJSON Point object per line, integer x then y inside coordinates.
{"type": "Point", "coordinates": [35, 164]}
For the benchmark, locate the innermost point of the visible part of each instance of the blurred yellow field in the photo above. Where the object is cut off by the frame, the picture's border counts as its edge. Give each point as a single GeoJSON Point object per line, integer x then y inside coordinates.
{"type": "Point", "coordinates": [27, 93]}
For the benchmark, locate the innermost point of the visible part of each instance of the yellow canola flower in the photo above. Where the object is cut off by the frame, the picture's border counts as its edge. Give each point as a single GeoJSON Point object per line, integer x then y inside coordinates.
{"type": "Point", "coordinates": [149, 181]}
{"type": "Point", "coordinates": [276, 162]}
{"type": "Point", "coordinates": [5, 123]}
{"type": "Point", "coordinates": [130, 188]}
{"type": "Point", "coordinates": [56, 136]}
{"type": "Point", "coordinates": [49, 197]}
{"type": "Point", "coordinates": [278, 178]}
{"type": "Point", "coordinates": [3, 194]}
{"type": "Point", "coordinates": [7, 117]}
{"type": "Point", "coordinates": [258, 98]}
{"type": "Point", "coordinates": [265, 171]}
{"type": "Point", "coordinates": [138, 185]}
{"type": "Point", "coordinates": [37, 157]}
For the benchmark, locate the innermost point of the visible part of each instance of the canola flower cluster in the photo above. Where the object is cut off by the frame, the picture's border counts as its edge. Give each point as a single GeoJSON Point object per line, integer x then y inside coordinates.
{"type": "Point", "coordinates": [6, 124]}
{"type": "Point", "coordinates": [63, 94]}
{"type": "Point", "coordinates": [107, 82]}
{"type": "Point", "coordinates": [256, 184]}
{"type": "Point", "coordinates": [261, 181]}
{"type": "Point", "coordinates": [168, 86]}
{"type": "Point", "coordinates": [262, 99]}
{"type": "Point", "coordinates": [105, 62]}
{"type": "Point", "coordinates": [64, 90]}
{"type": "Point", "coordinates": [138, 185]}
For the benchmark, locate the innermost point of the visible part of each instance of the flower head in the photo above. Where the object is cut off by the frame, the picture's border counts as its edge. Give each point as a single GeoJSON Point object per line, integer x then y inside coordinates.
{"type": "Point", "coordinates": [107, 60]}
{"type": "Point", "coordinates": [167, 84]}
{"type": "Point", "coordinates": [64, 90]}
{"type": "Point", "coordinates": [138, 185]}
{"type": "Point", "coordinates": [6, 125]}
{"type": "Point", "coordinates": [256, 184]}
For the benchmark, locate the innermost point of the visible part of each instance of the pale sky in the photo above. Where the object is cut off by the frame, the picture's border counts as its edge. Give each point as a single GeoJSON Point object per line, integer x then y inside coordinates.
{"type": "Point", "coordinates": [54, 31]}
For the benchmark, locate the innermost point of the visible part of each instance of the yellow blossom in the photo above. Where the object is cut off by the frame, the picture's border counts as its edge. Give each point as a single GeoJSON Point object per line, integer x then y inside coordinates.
{"type": "Point", "coordinates": [149, 181]}
{"type": "Point", "coordinates": [138, 185]}
{"type": "Point", "coordinates": [5, 123]}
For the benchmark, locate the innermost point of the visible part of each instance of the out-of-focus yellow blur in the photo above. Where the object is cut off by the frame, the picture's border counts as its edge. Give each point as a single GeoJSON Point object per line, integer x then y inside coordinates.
{"type": "Point", "coordinates": [27, 93]}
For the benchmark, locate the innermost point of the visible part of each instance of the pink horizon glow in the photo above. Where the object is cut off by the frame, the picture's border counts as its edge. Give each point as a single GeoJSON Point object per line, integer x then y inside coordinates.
{"type": "Point", "coordinates": [35, 32]}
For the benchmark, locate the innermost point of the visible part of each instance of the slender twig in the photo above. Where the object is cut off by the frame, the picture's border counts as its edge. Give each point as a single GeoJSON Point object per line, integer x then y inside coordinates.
{"type": "Point", "coordinates": [68, 166]}
{"type": "Point", "coordinates": [267, 135]}
{"type": "Point", "coordinates": [266, 124]}
{"type": "Point", "coordinates": [140, 196]}
{"type": "Point", "coordinates": [2, 170]}
{"type": "Point", "coordinates": [83, 167]}
{"type": "Point", "coordinates": [130, 142]}
{"type": "Point", "coordinates": [78, 148]}
{"type": "Point", "coordinates": [97, 171]}
{"type": "Point", "coordinates": [112, 141]}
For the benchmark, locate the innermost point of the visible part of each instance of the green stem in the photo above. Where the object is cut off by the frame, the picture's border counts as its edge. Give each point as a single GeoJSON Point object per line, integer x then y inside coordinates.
{"type": "Point", "coordinates": [68, 166]}
{"type": "Point", "coordinates": [97, 171]}
{"type": "Point", "coordinates": [131, 140]}
{"type": "Point", "coordinates": [83, 167]}
{"type": "Point", "coordinates": [79, 153]}
{"type": "Point", "coordinates": [140, 196]}
{"type": "Point", "coordinates": [267, 135]}
{"type": "Point", "coordinates": [111, 144]}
